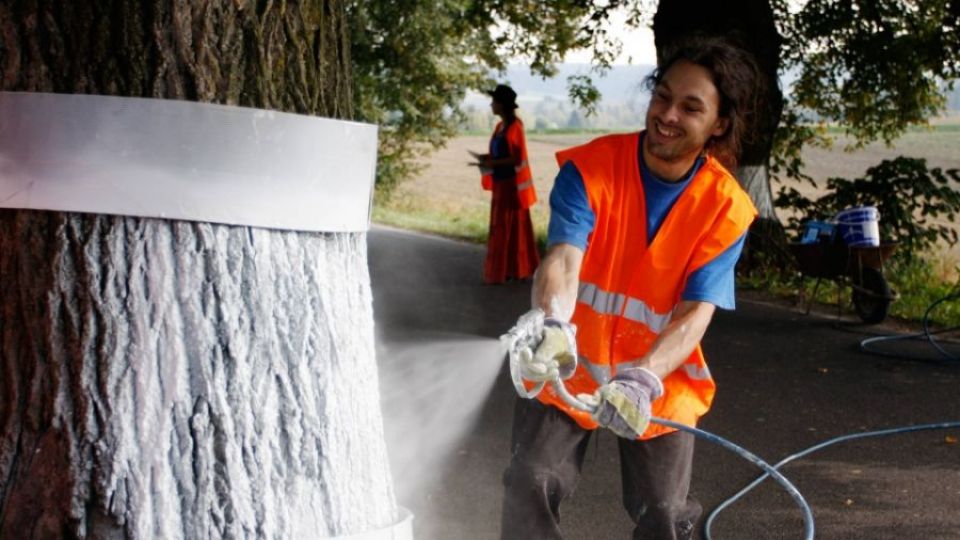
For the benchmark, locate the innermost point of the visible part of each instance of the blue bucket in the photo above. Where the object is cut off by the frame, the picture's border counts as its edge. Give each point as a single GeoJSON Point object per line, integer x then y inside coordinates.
{"type": "Point", "coordinates": [859, 226]}
{"type": "Point", "coordinates": [818, 232]}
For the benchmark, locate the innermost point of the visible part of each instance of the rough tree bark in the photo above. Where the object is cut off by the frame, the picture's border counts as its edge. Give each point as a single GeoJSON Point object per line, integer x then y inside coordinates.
{"type": "Point", "coordinates": [751, 25]}
{"type": "Point", "coordinates": [163, 379]}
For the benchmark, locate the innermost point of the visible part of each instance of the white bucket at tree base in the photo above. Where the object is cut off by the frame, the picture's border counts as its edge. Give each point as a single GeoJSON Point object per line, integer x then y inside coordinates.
{"type": "Point", "coordinates": [859, 226]}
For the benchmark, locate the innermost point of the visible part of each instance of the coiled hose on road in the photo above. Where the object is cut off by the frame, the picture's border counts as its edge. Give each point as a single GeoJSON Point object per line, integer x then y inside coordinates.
{"type": "Point", "coordinates": [769, 471]}
{"type": "Point", "coordinates": [927, 334]}
{"type": "Point", "coordinates": [803, 453]}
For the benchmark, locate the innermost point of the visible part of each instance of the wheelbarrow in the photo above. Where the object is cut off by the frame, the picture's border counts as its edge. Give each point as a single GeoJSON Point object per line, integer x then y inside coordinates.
{"type": "Point", "coordinates": [859, 267]}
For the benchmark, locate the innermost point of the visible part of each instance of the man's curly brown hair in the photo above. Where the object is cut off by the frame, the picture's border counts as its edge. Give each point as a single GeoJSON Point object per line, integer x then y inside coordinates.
{"type": "Point", "coordinates": [738, 81]}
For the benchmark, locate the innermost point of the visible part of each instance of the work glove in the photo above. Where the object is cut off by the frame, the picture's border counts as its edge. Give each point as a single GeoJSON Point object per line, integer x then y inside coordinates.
{"type": "Point", "coordinates": [623, 404]}
{"type": "Point", "coordinates": [545, 348]}
{"type": "Point", "coordinates": [558, 348]}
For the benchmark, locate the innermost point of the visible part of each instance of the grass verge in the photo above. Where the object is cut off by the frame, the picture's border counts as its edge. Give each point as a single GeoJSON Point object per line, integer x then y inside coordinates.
{"type": "Point", "coordinates": [470, 226]}
{"type": "Point", "coordinates": [464, 218]}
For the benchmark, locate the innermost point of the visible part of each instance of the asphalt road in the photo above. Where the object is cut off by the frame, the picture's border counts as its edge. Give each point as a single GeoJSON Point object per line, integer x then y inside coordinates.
{"type": "Point", "coordinates": [785, 381]}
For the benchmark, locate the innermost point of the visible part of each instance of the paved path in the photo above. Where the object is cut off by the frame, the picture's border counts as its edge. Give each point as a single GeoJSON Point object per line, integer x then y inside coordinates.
{"type": "Point", "coordinates": [786, 381]}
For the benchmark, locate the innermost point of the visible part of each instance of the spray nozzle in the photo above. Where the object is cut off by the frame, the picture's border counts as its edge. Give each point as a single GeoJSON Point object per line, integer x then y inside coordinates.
{"type": "Point", "coordinates": [543, 350]}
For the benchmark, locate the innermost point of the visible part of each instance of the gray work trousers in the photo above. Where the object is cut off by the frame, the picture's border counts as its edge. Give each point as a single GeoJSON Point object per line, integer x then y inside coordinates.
{"type": "Point", "coordinates": [548, 448]}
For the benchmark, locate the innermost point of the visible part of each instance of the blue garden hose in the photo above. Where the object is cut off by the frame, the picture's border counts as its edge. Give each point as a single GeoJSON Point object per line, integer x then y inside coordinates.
{"type": "Point", "coordinates": [769, 471]}
{"type": "Point", "coordinates": [561, 389]}
{"type": "Point", "coordinates": [895, 431]}
{"type": "Point", "coordinates": [927, 334]}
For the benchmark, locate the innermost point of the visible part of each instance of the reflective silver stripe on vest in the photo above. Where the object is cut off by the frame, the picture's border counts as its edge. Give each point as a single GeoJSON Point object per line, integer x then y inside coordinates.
{"type": "Point", "coordinates": [601, 301]}
{"type": "Point", "coordinates": [525, 185]}
{"type": "Point", "coordinates": [639, 311]}
{"type": "Point", "coordinates": [600, 373]}
{"type": "Point", "coordinates": [521, 166]}
{"type": "Point", "coordinates": [693, 371]}
{"type": "Point", "coordinates": [608, 303]}
{"type": "Point", "coordinates": [697, 373]}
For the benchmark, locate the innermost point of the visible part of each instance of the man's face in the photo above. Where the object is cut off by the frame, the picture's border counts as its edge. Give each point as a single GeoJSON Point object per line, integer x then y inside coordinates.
{"type": "Point", "coordinates": [496, 107]}
{"type": "Point", "coordinates": [682, 115]}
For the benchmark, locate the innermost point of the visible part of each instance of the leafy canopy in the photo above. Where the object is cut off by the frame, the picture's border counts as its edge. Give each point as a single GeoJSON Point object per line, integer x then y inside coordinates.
{"type": "Point", "coordinates": [415, 60]}
{"type": "Point", "coordinates": [917, 205]}
{"type": "Point", "coordinates": [874, 67]}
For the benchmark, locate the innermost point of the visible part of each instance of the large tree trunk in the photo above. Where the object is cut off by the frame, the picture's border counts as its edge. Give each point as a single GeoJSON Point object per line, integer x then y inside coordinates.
{"type": "Point", "coordinates": [163, 379]}
{"type": "Point", "coordinates": [287, 56]}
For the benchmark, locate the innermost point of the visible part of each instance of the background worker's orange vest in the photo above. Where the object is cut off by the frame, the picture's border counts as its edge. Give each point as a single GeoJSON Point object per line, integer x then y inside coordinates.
{"type": "Point", "coordinates": [517, 141]}
{"type": "Point", "coordinates": [629, 289]}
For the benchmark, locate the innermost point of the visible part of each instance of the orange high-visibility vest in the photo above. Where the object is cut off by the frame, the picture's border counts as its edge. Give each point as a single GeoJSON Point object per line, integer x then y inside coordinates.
{"type": "Point", "coordinates": [524, 178]}
{"type": "Point", "coordinates": [628, 289]}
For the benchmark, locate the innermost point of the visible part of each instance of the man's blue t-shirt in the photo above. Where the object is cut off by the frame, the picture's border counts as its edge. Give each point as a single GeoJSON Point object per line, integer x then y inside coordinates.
{"type": "Point", "coordinates": [572, 221]}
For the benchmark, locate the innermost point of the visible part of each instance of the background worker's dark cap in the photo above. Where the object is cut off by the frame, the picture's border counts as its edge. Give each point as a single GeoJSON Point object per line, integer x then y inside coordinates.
{"type": "Point", "coordinates": [504, 94]}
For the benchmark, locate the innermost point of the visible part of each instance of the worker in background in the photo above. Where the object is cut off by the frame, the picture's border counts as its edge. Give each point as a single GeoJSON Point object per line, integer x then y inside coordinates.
{"type": "Point", "coordinates": [645, 231]}
{"type": "Point", "coordinates": [511, 248]}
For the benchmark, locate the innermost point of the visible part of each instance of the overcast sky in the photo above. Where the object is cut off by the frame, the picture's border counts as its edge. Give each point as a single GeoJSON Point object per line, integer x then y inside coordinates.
{"type": "Point", "coordinates": [637, 43]}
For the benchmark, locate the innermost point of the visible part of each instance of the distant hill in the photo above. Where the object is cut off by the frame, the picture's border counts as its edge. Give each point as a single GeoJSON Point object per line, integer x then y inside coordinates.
{"type": "Point", "coordinates": [544, 103]}
{"type": "Point", "coordinates": [621, 84]}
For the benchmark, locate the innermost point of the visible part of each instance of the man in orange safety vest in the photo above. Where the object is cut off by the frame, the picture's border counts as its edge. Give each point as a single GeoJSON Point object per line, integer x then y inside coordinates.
{"type": "Point", "coordinates": [645, 231]}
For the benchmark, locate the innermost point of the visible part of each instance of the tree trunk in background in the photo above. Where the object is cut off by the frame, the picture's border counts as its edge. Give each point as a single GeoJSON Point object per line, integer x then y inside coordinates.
{"type": "Point", "coordinates": [750, 24]}
{"type": "Point", "coordinates": [165, 379]}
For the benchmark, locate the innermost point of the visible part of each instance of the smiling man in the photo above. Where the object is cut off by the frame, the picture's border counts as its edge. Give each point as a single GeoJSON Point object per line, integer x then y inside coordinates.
{"type": "Point", "coordinates": [645, 231]}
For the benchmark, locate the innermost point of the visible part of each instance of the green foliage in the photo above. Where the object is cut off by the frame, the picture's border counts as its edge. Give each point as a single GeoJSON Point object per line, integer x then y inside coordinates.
{"type": "Point", "coordinates": [411, 71]}
{"type": "Point", "coordinates": [872, 66]}
{"type": "Point", "coordinates": [415, 60]}
{"type": "Point", "coordinates": [873, 69]}
{"type": "Point", "coordinates": [582, 90]}
{"type": "Point", "coordinates": [786, 159]}
{"type": "Point", "coordinates": [869, 68]}
{"type": "Point", "coordinates": [909, 196]}
{"type": "Point", "coordinates": [919, 285]}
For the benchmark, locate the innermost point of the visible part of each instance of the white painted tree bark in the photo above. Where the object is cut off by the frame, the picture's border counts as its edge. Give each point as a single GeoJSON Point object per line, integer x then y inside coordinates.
{"type": "Point", "coordinates": [170, 380]}
{"type": "Point", "coordinates": [756, 182]}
